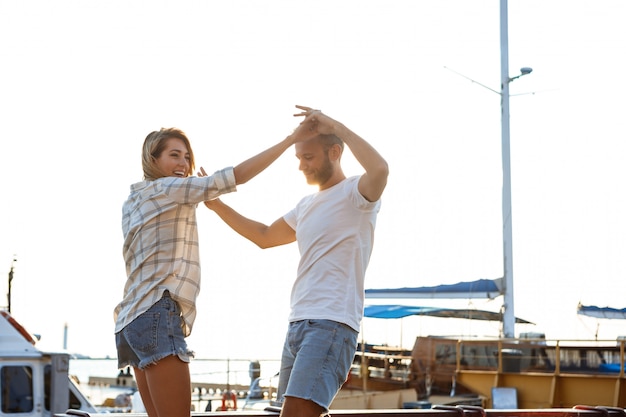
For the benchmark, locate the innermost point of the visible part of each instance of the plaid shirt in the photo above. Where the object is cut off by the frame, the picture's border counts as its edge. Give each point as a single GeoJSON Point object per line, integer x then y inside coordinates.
{"type": "Point", "coordinates": [161, 243]}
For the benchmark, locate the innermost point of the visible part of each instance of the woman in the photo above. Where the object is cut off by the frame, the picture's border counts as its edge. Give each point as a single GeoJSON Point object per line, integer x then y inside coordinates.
{"type": "Point", "coordinates": [163, 265]}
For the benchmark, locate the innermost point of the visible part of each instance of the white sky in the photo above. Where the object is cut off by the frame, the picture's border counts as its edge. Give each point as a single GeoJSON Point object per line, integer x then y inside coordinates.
{"type": "Point", "coordinates": [82, 82]}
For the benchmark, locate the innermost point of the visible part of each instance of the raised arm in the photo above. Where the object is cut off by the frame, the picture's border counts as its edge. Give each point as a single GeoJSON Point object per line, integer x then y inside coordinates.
{"type": "Point", "coordinates": [373, 182]}
{"type": "Point", "coordinates": [249, 168]}
{"type": "Point", "coordinates": [278, 233]}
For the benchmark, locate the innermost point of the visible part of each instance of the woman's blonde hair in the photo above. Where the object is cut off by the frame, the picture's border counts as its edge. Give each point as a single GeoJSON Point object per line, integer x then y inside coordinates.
{"type": "Point", "coordinates": [153, 147]}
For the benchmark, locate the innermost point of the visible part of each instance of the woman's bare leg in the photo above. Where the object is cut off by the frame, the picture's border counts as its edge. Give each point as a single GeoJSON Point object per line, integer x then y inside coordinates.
{"type": "Point", "coordinates": [166, 388]}
{"type": "Point", "coordinates": [142, 385]}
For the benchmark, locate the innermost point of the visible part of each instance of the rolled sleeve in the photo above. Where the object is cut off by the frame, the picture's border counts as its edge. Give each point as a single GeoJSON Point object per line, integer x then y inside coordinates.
{"type": "Point", "coordinates": [225, 180]}
{"type": "Point", "coordinates": [193, 190]}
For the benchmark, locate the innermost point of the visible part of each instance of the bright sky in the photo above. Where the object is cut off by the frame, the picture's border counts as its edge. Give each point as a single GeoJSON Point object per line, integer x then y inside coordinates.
{"type": "Point", "coordinates": [83, 82]}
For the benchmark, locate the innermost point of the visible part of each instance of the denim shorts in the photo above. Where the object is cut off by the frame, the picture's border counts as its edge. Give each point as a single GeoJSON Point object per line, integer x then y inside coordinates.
{"type": "Point", "coordinates": [152, 336]}
{"type": "Point", "coordinates": [316, 360]}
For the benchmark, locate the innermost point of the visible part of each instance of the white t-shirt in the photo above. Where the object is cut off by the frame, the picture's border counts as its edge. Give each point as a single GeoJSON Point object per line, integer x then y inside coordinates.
{"type": "Point", "coordinates": [335, 235]}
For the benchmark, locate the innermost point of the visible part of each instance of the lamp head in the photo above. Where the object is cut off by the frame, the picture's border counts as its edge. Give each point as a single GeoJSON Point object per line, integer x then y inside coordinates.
{"type": "Point", "coordinates": [523, 71]}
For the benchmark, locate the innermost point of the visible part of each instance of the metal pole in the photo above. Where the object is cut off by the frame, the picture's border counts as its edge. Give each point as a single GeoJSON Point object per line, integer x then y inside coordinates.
{"type": "Point", "coordinates": [9, 290]}
{"type": "Point", "coordinates": [507, 221]}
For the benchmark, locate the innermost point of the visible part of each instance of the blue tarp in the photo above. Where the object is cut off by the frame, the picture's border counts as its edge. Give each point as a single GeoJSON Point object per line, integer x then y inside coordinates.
{"type": "Point", "coordinates": [482, 288]}
{"type": "Point", "coordinates": [395, 311]}
{"type": "Point", "coordinates": [602, 312]}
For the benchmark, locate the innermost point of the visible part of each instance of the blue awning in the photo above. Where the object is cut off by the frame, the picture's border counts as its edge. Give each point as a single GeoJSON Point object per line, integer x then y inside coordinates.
{"type": "Point", "coordinates": [601, 312]}
{"type": "Point", "coordinates": [395, 311]}
{"type": "Point", "coordinates": [482, 288]}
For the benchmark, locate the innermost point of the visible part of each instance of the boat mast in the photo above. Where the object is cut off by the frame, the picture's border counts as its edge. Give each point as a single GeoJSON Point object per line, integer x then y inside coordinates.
{"type": "Point", "coordinates": [508, 319]}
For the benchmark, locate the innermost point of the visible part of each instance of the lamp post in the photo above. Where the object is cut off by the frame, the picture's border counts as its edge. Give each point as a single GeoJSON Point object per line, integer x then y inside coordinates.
{"type": "Point", "coordinates": [508, 316]}
{"type": "Point", "coordinates": [508, 319]}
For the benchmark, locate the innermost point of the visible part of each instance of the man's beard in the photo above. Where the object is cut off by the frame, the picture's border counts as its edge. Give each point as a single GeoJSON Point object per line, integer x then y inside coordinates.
{"type": "Point", "coordinates": [323, 174]}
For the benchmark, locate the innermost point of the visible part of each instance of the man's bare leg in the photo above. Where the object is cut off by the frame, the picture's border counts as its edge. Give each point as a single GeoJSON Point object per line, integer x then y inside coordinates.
{"type": "Point", "coordinates": [298, 407]}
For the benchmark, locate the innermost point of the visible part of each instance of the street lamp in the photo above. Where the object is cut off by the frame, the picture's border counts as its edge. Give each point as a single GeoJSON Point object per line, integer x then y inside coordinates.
{"type": "Point", "coordinates": [523, 71]}
{"type": "Point", "coordinates": [508, 316]}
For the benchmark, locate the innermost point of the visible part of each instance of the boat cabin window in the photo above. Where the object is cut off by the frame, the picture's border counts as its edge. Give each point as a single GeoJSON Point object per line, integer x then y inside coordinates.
{"type": "Point", "coordinates": [16, 388]}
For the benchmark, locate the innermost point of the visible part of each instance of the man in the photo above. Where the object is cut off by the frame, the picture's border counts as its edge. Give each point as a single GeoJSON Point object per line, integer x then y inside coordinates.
{"type": "Point", "coordinates": [335, 232]}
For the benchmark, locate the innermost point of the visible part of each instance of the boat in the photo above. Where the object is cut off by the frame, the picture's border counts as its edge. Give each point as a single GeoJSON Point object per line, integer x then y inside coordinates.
{"type": "Point", "coordinates": [535, 372]}
{"type": "Point", "coordinates": [543, 373]}
{"type": "Point", "coordinates": [539, 373]}
{"type": "Point", "coordinates": [34, 383]}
